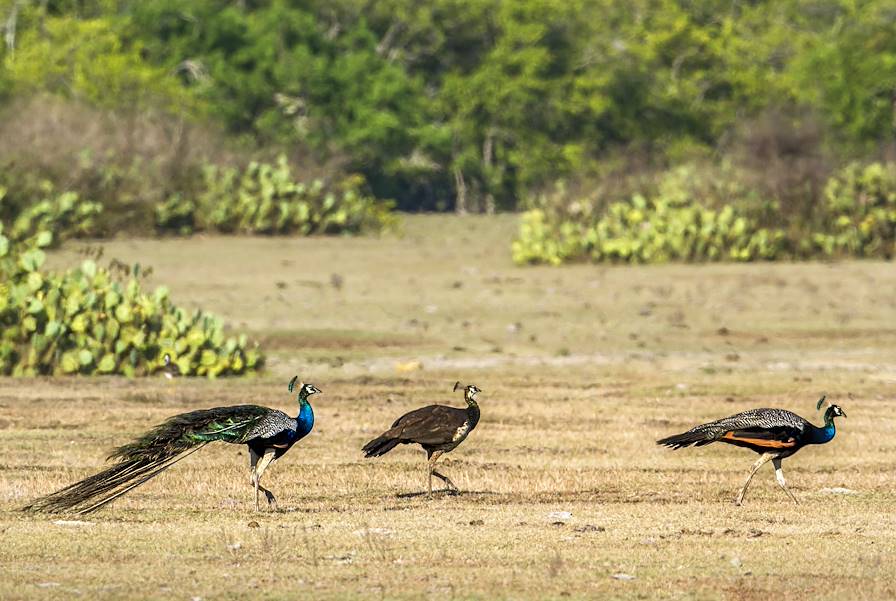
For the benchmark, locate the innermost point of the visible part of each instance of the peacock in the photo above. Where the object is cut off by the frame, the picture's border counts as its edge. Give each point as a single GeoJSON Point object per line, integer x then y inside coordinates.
{"type": "Point", "coordinates": [267, 432]}
{"type": "Point", "coordinates": [773, 433]}
{"type": "Point", "coordinates": [171, 369]}
{"type": "Point", "coordinates": [436, 428]}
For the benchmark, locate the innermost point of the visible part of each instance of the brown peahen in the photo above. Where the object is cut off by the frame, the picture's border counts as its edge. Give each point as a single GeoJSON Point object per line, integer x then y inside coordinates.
{"type": "Point", "coordinates": [436, 428]}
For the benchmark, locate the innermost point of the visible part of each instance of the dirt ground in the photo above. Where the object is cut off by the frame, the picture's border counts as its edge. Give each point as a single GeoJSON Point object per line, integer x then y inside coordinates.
{"type": "Point", "coordinates": [565, 495]}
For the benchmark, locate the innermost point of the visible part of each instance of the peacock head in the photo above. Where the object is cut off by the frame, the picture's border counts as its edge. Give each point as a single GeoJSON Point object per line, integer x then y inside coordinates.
{"type": "Point", "coordinates": [470, 391]}
{"type": "Point", "coordinates": [835, 411]}
{"type": "Point", "coordinates": [832, 411]}
{"type": "Point", "coordinates": [305, 390]}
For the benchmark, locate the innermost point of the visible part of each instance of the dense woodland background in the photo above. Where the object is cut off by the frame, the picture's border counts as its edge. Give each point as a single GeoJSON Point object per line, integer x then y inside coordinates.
{"type": "Point", "coordinates": [447, 104]}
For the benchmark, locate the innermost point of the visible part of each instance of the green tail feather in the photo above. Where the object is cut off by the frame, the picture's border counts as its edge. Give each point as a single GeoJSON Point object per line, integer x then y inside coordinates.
{"type": "Point", "coordinates": [181, 432]}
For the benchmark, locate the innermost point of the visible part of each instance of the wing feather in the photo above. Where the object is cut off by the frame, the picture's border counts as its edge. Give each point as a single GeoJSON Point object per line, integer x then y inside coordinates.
{"type": "Point", "coordinates": [434, 424]}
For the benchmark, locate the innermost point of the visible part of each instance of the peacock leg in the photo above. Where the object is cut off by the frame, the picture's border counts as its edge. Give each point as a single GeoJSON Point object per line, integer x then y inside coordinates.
{"type": "Point", "coordinates": [446, 480]}
{"type": "Point", "coordinates": [260, 467]}
{"type": "Point", "coordinates": [763, 459]}
{"type": "Point", "coordinates": [779, 476]}
{"type": "Point", "coordinates": [433, 457]}
{"type": "Point", "coordinates": [253, 461]}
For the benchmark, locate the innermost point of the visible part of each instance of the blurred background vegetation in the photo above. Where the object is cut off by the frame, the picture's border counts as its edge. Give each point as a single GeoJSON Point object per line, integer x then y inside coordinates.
{"type": "Point", "coordinates": [445, 104]}
{"type": "Point", "coordinates": [626, 131]}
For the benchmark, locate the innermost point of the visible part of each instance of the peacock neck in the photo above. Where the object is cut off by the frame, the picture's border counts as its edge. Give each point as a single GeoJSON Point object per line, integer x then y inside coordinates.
{"type": "Point", "coordinates": [305, 418]}
{"type": "Point", "coordinates": [825, 433]}
{"type": "Point", "coordinates": [472, 411]}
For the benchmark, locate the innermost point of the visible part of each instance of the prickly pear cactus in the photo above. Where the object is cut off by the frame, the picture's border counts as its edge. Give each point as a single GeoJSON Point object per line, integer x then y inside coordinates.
{"type": "Point", "coordinates": [861, 208]}
{"type": "Point", "coordinates": [65, 214]}
{"type": "Point", "coordinates": [642, 231]}
{"type": "Point", "coordinates": [858, 219]}
{"type": "Point", "coordinates": [265, 198]}
{"type": "Point", "coordinates": [90, 321]}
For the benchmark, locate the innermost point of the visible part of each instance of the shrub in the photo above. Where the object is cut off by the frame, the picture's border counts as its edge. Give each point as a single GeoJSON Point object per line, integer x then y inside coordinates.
{"type": "Point", "coordinates": [693, 217]}
{"type": "Point", "coordinates": [542, 240]}
{"type": "Point", "coordinates": [265, 199]}
{"type": "Point", "coordinates": [782, 154]}
{"type": "Point", "coordinates": [64, 214]}
{"type": "Point", "coordinates": [713, 187]}
{"type": "Point", "coordinates": [128, 161]}
{"type": "Point", "coordinates": [860, 201]}
{"type": "Point", "coordinates": [153, 171]}
{"type": "Point", "coordinates": [642, 231]}
{"type": "Point", "coordinates": [176, 215]}
{"type": "Point", "coordinates": [91, 321]}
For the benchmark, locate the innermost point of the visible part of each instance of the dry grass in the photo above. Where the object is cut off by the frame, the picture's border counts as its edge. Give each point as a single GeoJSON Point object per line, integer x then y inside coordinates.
{"type": "Point", "coordinates": [582, 368]}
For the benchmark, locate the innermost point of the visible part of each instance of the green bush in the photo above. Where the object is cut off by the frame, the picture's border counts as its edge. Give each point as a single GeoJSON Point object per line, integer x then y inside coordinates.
{"type": "Point", "coordinates": [176, 215]}
{"type": "Point", "coordinates": [860, 202]}
{"type": "Point", "coordinates": [713, 187]}
{"type": "Point", "coordinates": [86, 321]}
{"type": "Point", "coordinates": [642, 231]}
{"type": "Point", "coordinates": [542, 240]}
{"type": "Point", "coordinates": [692, 218]}
{"type": "Point", "coordinates": [64, 214]}
{"type": "Point", "coordinates": [128, 161]}
{"type": "Point", "coordinates": [266, 199]}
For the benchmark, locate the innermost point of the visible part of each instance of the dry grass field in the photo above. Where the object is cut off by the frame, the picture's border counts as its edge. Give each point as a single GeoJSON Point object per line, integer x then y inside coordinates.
{"type": "Point", "coordinates": [565, 494]}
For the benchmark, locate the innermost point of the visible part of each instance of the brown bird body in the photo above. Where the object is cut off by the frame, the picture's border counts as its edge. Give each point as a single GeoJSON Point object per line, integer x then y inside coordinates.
{"type": "Point", "coordinates": [436, 428]}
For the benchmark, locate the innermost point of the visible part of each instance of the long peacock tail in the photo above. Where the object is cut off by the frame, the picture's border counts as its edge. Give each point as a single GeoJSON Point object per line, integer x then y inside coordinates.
{"type": "Point", "coordinates": [151, 454]}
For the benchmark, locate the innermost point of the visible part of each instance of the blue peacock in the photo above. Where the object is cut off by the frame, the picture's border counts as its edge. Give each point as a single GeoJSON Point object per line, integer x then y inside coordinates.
{"type": "Point", "coordinates": [268, 433]}
{"type": "Point", "coordinates": [773, 433]}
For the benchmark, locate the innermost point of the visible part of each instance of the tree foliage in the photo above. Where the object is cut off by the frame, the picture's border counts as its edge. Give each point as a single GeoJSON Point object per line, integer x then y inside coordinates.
{"type": "Point", "coordinates": [476, 101]}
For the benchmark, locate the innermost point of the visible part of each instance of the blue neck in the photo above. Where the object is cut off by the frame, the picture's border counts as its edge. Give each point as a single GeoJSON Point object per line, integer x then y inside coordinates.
{"type": "Point", "coordinates": [823, 435]}
{"type": "Point", "coordinates": [306, 417]}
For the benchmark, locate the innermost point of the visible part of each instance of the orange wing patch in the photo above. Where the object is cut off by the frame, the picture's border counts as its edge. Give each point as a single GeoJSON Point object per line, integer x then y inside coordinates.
{"type": "Point", "coordinates": [761, 442]}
